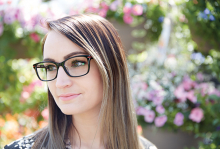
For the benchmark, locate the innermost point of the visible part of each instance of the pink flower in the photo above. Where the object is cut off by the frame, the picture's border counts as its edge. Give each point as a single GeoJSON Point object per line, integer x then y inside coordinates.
{"type": "Point", "coordinates": [9, 17]}
{"type": "Point", "coordinates": [188, 84]}
{"type": "Point", "coordinates": [160, 109]}
{"type": "Point", "coordinates": [143, 85]}
{"type": "Point", "coordinates": [200, 76]}
{"type": "Point", "coordinates": [191, 96]}
{"type": "Point", "coordinates": [104, 6]}
{"type": "Point", "coordinates": [180, 93]}
{"type": "Point", "coordinates": [137, 10]}
{"type": "Point", "coordinates": [127, 18]}
{"type": "Point", "coordinates": [160, 121]}
{"type": "Point", "coordinates": [114, 5]}
{"type": "Point", "coordinates": [141, 111]}
{"type": "Point", "coordinates": [35, 37]}
{"type": "Point", "coordinates": [45, 114]}
{"type": "Point", "coordinates": [149, 116]}
{"type": "Point", "coordinates": [127, 8]}
{"type": "Point", "coordinates": [1, 29]}
{"type": "Point", "coordinates": [103, 13]}
{"type": "Point", "coordinates": [158, 100]}
{"type": "Point", "coordinates": [178, 119]}
{"type": "Point", "coordinates": [196, 115]}
{"type": "Point", "coordinates": [204, 87]}
{"type": "Point", "coordinates": [214, 92]}
{"type": "Point", "coordinates": [92, 10]}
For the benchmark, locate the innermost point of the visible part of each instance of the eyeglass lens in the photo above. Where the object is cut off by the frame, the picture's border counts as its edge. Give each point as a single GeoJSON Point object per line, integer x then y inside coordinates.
{"type": "Point", "coordinates": [75, 66]}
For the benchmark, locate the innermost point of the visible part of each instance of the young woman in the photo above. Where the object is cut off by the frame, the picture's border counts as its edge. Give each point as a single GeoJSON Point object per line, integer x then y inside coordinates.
{"type": "Point", "coordinates": [89, 99]}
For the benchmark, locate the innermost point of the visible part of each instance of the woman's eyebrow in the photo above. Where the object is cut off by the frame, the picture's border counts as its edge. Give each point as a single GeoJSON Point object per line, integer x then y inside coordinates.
{"type": "Point", "coordinates": [67, 56]}
{"type": "Point", "coordinates": [74, 53]}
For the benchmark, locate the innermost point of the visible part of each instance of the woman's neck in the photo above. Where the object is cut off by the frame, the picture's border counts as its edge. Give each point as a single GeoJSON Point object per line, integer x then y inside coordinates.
{"type": "Point", "coordinates": [87, 125]}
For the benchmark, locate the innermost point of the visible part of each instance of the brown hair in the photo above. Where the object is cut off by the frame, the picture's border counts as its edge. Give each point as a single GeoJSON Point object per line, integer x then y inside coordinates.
{"type": "Point", "coordinates": [118, 120]}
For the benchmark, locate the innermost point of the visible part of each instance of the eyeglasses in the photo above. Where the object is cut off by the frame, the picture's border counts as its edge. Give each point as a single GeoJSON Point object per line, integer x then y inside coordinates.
{"type": "Point", "coordinates": [76, 66]}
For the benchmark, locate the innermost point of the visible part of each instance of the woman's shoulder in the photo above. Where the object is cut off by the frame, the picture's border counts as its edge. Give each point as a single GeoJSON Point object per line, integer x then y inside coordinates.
{"type": "Point", "coordinates": [146, 143]}
{"type": "Point", "coordinates": [23, 143]}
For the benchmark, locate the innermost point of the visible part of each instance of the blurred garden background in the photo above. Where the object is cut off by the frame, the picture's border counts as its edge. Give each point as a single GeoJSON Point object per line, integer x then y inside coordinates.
{"type": "Point", "coordinates": [173, 51]}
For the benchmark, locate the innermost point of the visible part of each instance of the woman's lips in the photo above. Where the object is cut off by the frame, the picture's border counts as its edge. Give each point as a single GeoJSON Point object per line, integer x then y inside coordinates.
{"type": "Point", "coordinates": [68, 97]}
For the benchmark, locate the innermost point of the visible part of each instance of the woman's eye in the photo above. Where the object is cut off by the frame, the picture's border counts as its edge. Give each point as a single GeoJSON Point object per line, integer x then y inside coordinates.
{"type": "Point", "coordinates": [51, 67]}
{"type": "Point", "coordinates": [78, 63]}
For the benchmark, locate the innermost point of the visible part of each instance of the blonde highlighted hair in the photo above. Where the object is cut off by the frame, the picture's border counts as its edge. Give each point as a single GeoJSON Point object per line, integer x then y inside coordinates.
{"type": "Point", "coordinates": [118, 120]}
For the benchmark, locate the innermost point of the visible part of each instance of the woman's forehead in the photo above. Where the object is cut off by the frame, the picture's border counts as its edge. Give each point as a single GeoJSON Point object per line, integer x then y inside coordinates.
{"type": "Point", "coordinates": [58, 46]}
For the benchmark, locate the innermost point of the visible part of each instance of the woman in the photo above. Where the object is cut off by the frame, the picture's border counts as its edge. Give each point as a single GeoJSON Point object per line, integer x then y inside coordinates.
{"type": "Point", "coordinates": [89, 98]}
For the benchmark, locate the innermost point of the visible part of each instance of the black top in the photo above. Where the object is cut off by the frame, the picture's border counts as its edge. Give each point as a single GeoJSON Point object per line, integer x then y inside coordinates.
{"type": "Point", "coordinates": [27, 142]}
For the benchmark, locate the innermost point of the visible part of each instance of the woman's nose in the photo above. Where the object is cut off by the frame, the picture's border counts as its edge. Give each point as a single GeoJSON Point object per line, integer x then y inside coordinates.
{"type": "Point", "coordinates": [62, 80]}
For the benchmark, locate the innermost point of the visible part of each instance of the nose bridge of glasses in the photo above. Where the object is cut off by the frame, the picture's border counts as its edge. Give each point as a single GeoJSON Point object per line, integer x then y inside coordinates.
{"type": "Point", "coordinates": [63, 66]}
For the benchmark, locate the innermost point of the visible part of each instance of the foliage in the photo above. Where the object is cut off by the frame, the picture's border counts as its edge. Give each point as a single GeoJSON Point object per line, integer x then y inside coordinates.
{"type": "Point", "coordinates": [204, 22]}
{"type": "Point", "coordinates": [177, 87]}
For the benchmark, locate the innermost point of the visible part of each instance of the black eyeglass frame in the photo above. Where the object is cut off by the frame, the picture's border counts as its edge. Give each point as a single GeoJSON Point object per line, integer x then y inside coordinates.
{"type": "Point", "coordinates": [89, 57]}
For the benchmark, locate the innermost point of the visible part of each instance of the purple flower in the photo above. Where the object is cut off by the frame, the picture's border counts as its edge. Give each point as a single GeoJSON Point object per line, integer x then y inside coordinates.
{"type": "Point", "coordinates": [160, 121]}
{"type": "Point", "coordinates": [149, 116]}
{"type": "Point", "coordinates": [156, 97]}
{"type": "Point", "coordinates": [141, 111]}
{"type": "Point", "coordinates": [203, 15]}
{"type": "Point", "coordinates": [200, 76]}
{"type": "Point", "coordinates": [160, 109]}
{"type": "Point", "coordinates": [206, 11]}
{"type": "Point", "coordinates": [211, 18]}
{"type": "Point", "coordinates": [114, 5]}
{"type": "Point", "coordinates": [158, 100]}
{"type": "Point", "coordinates": [160, 19]}
{"type": "Point", "coordinates": [178, 119]}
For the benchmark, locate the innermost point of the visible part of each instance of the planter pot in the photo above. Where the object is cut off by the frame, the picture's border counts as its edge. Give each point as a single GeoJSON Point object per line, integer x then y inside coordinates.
{"type": "Point", "coordinates": [165, 139]}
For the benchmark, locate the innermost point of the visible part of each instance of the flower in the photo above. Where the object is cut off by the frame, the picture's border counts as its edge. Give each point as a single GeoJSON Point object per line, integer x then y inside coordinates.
{"type": "Point", "coordinates": [127, 18]}
{"type": "Point", "coordinates": [211, 18]}
{"type": "Point", "coordinates": [191, 96]}
{"type": "Point", "coordinates": [9, 17]}
{"type": "Point", "coordinates": [103, 13]}
{"type": "Point", "coordinates": [178, 120]}
{"type": "Point", "coordinates": [158, 100]}
{"type": "Point", "coordinates": [127, 8]}
{"type": "Point", "coordinates": [160, 109]}
{"type": "Point", "coordinates": [180, 93]}
{"type": "Point", "coordinates": [160, 19]}
{"type": "Point", "coordinates": [196, 115]}
{"type": "Point", "coordinates": [160, 121]}
{"type": "Point", "coordinates": [149, 116]}
{"type": "Point", "coordinates": [141, 111]}
{"type": "Point", "coordinates": [137, 10]}
{"type": "Point", "coordinates": [204, 87]}
{"type": "Point", "coordinates": [200, 76]}
{"type": "Point", "coordinates": [92, 9]}
{"type": "Point", "coordinates": [104, 6]}
{"type": "Point", "coordinates": [206, 11]}
{"type": "Point", "coordinates": [45, 114]}
{"type": "Point", "coordinates": [114, 5]}
{"type": "Point", "coordinates": [35, 37]}
{"type": "Point", "coordinates": [188, 84]}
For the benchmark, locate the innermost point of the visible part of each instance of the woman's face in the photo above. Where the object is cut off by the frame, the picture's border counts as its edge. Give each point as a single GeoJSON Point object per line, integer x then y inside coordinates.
{"type": "Point", "coordinates": [86, 91]}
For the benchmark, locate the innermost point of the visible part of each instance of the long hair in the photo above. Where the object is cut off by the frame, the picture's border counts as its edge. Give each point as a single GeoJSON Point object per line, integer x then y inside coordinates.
{"type": "Point", "coordinates": [117, 117]}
